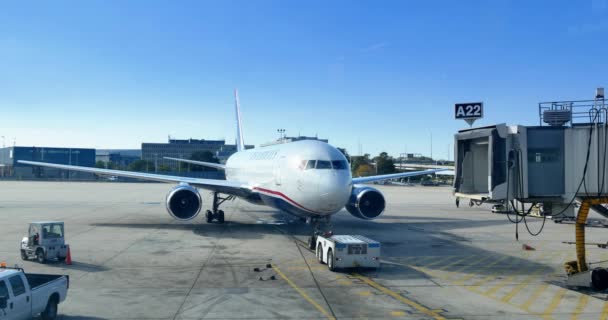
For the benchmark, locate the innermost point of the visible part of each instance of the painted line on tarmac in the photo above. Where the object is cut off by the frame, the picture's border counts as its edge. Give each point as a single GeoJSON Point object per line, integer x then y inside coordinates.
{"type": "Point", "coordinates": [302, 293]}
{"type": "Point", "coordinates": [604, 315]}
{"type": "Point", "coordinates": [524, 283]}
{"type": "Point", "coordinates": [399, 297]}
{"type": "Point", "coordinates": [539, 290]}
{"type": "Point", "coordinates": [557, 298]}
{"type": "Point", "coordinates": [582, 303]}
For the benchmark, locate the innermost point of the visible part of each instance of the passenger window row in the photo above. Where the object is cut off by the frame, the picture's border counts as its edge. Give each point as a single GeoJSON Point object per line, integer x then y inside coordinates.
{"type": "Point", "coordinates": [323, 164]}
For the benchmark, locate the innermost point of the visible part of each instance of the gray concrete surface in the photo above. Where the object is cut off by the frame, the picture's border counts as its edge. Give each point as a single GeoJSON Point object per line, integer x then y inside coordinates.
{"type": "Point", "coordinates": [133, 261]}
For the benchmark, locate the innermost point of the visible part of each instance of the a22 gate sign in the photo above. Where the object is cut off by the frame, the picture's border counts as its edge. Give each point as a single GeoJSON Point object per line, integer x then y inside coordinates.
{"type": "Point", "coordinates": [472, 110]}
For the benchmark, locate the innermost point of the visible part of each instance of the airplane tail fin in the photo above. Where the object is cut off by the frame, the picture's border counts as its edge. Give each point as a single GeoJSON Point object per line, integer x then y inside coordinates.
{"type": "Point", "coordinates": [240, 144]}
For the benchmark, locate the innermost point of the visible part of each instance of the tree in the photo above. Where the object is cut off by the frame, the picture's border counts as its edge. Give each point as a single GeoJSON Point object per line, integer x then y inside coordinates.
{"type": "Point", "coordinates": [364, 170]}
{"type": "Point", "coordinates": [345, 153]}
{"type": "Point", "coordinates": [164, 167]}
{"type": "Point", "coordinates": [100, 164]}
{"type": "Point", "coordinates": [385, 163]}
{"type": "Point", "coordinates": [204, 156]}
{"type": "Point", "coordinates": [142, 165]}
{"type": "Point", "coordinates": [359, 160]}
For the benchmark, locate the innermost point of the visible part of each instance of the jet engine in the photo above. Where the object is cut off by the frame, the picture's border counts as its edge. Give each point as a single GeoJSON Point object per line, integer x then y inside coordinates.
{"type": "Point", "coordinates": [184, 202]}
{"type": "Point", "coordinates": [366, 203]}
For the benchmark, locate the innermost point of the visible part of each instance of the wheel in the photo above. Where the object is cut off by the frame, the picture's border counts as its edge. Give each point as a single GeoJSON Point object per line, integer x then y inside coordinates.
{"type": "Point", "coordinates": [50, 312]}
{"type": "Point", "coordinates": [330, 261]}
{"type": "Point", "coordinates": [23, 255]}
{"type": "Point", "coordinates": [61, 259]}
{"type": "Point", "coordinates": [209, 216]}
{"type": "Point", "coordinates": [457, 202]}
{"type": "Point", "coordinates": [220, 216]}
{"type": "Point", "coordinates": [320, 254]}
{"type": "Point", "coordinates": [312, 242]}
{"type": "Point", "coordinates": [40, 256]}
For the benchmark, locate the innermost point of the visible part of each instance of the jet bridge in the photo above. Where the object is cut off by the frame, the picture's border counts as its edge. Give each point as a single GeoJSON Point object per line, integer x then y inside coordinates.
{"type": "Point", "coordinates": [560, 161]}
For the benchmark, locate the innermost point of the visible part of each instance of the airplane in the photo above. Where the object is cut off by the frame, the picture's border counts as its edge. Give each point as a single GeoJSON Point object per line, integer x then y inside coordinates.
{"type": "Point", "coordinates": [309, 179]}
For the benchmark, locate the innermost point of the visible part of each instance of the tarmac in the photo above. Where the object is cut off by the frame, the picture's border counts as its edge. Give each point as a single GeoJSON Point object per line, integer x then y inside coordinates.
{"type": "Point", "coordinates": [131, 260]}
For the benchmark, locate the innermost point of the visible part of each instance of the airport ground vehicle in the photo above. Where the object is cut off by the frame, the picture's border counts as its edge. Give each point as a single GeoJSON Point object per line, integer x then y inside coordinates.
{"type": "Point", "coordinates": [45, 240]}
{"type": "Point", "coordinates": [348, 251]}
{"type": "Point", "coordinates": [25, 295]}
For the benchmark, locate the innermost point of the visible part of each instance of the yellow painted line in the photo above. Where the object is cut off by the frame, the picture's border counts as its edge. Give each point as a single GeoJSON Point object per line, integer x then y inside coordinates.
{"type": "Point", "coordinates": [451, 273]}
{"type": "Point", "coordinates": [365, 293]}
{"type": "Point", "coordinates": [519, 287]}
{"type": "Point", "coordinates": [463, 280]}
{"type": "Point", "coordinates": [582, 303]}
{"type": "Point", "coordinates": [421, 259]}
{"type": "Point", "coordinates": [604, 315]}
{"type": "Point", "coordinates": [439, 260]}
{"type": "Point", "coordinates": [397, 313]}
{"type": "Point", "coordinates": [456, 262]}
{"type": "Point", "coordinates": [539, 290]}
{"type": "Point", "coordinates": [302, 293]}
{"type": "Point", "coordinates": [554, 303]}
{"type": "Point", "coordinates": [498, 286]}
{"type": "Point", "coordinates": [399, 297]}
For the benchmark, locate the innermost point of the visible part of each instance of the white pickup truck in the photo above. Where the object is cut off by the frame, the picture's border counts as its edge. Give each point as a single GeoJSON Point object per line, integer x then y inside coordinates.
{"type": "Point", "coordinates": [25, 295]}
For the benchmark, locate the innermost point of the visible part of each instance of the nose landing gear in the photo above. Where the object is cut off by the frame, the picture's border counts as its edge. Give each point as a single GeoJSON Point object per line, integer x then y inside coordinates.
{"type": "Point", "coordinates": [321, 226]}
{"type": "Point", "coordinates": [215, 213]}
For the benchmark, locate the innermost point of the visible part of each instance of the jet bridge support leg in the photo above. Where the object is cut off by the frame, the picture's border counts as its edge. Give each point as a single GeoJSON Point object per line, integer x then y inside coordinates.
{"type": "Point", "coordinates": [578, 271]}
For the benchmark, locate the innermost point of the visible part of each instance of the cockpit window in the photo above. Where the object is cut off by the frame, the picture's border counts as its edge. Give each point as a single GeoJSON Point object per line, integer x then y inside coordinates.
{"type": "Point", "coordinates": [322, 164]}
{"type": "Point", "coordinates": [311, 164]}
{"type": "Point", "coordinates": [339, 164]}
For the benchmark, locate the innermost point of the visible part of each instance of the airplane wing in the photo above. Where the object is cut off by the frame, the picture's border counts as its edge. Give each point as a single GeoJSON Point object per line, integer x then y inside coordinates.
{"type": "Point", "coordinates": [200, 163]}
{"type": "Point", "coordinates": [223, 186]}
{"type": "Point", "coordinates": [394, 176]}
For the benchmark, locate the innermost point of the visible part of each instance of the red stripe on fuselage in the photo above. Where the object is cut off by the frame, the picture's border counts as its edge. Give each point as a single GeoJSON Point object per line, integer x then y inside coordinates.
{"type": "Point", "coordinates": [277, 193]}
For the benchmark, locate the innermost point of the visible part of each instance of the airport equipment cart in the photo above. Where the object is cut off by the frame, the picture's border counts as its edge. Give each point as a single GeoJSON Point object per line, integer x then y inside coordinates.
{"type": "Point", "coordinates": [44, 241]}
{"type": "Point", "coordinates": [348, 251]}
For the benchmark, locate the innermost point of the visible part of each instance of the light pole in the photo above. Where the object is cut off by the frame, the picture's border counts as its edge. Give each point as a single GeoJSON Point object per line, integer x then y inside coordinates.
{"type": "Point", "coordinates": [281, 134]}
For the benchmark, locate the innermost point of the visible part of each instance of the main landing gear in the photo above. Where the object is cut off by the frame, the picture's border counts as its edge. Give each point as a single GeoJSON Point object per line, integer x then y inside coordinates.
{"type": "Point", "coordinates": [215, 213]}
{"type": "Point", "coordinates": [321, 226]}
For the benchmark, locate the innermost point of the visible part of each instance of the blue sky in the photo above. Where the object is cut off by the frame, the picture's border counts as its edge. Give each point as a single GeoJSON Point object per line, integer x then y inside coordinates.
{"type": "Point", "coordinates": [385, 74]}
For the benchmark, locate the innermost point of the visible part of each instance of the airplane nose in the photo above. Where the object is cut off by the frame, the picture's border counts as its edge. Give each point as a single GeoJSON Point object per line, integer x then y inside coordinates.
{"type": "Point", "coordinates": [333, 191]}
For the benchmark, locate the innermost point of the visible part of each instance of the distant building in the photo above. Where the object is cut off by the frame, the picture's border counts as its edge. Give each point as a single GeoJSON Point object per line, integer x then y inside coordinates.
{"type": "Point", "coordinates": [177, 148]}
{"type": "Point", "coordinates": [9, 166]}
{"type": "Point", "coordinates": [118, 158]}
{"type": "Point", "coordinates": [292, 139]}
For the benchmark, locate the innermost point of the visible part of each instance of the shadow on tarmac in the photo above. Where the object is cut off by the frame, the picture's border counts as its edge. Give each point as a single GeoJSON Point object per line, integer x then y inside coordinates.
{"type": "Point", "coordinates": [404, 243]}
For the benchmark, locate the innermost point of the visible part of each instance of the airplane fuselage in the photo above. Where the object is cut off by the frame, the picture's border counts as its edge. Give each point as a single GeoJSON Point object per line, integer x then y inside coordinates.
{"type": "Point", "coordinates": [304, 178]}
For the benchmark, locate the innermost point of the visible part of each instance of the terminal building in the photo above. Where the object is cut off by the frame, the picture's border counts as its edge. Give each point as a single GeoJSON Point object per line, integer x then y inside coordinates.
{"type": "Point", "coordinates": [11, 169]}
{"type": "Point", "coordinates": [183, 149]}
{"type": "Point", "coordinates": [117, 158]}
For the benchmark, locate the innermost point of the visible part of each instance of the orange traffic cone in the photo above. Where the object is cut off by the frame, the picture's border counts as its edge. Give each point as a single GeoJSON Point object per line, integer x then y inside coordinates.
{"type": "Point", "coordinates": [524, 247]}
{"type": "Point", "coordinates": [68, 258]}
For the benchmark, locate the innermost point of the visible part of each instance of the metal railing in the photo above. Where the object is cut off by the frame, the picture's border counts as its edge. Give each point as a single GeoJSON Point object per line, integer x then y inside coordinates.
{"type": "Point", "coordinates": [574, 112]}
